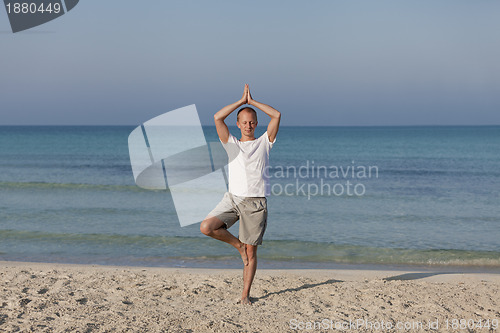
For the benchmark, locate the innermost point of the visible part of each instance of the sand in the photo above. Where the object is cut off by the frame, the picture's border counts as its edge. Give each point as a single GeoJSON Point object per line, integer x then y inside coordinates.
{"type": "Point", "coordinates": [39, 297]}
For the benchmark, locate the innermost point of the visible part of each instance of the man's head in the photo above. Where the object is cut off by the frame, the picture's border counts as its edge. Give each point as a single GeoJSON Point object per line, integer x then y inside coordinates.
{"type": "Point", "coordinates": [246, 120]}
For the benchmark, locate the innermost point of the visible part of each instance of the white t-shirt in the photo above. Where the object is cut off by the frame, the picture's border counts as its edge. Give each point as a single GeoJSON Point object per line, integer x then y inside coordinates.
{"type": "Point", "coordinates": [248, 162]}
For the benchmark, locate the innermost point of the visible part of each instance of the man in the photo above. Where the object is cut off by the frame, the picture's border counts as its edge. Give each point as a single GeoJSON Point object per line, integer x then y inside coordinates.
{"type": "Point", "coordinates": [245, 200]}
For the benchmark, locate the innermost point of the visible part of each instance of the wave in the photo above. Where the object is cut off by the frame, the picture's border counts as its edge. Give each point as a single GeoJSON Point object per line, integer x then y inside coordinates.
{"type": "Point", "coordinates": [199, 248]}
{"type": "Point", "coordinates": [430, 172]}
{"type": "Point", "coordinates": [89, 187]}
{"type": "Point", "coordinates": [45, 185]}
{"type": "Point", "coordinates": [328, 172]}
{"type": "Point", "coordinates": [353, 254]}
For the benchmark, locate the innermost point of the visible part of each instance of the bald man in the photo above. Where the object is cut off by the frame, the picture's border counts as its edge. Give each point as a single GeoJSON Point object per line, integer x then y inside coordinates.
{"type": "Point", "coordinates": [248, 184]}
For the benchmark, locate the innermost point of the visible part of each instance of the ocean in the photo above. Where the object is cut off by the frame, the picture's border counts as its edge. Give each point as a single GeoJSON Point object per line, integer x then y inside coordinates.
{"type": "Point", "coordinates": [414, 196]}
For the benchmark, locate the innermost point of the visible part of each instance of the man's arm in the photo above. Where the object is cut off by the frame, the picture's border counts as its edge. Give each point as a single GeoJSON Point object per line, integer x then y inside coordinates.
{"type": "Point", "coordinates": [274, 124]}
{"type": "Point", "coordinates": [222, 114]}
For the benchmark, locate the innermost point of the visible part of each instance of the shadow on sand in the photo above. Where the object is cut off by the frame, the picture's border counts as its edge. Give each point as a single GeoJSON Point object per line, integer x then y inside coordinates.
{"type": "Point", "coordinates": [402, 277]}
{"type": "Point", "coordinates": [305, 286]}
{"type": "Point", "coordinates": [415, 276]}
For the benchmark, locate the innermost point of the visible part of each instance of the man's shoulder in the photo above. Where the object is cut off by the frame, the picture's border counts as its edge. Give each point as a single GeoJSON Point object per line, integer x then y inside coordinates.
{"type": "Point", "coordinates": [230, 139]}
{"type": "Point", "coordinates": [264, 137]}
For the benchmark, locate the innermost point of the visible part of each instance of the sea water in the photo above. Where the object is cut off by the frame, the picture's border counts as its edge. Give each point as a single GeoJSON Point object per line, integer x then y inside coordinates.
{"type": "Point", "coordinates": [339, 195]}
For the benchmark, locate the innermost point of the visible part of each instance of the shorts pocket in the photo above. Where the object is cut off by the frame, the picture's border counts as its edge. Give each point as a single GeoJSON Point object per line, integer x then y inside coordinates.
{"type": "Point", "coordinates": [259, 205]}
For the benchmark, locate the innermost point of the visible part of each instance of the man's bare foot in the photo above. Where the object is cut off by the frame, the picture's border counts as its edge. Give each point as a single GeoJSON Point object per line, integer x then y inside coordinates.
{"type": "Point", "coordinates": [243, 253]}
{"type": "Point", "coordinates": [245, 300]}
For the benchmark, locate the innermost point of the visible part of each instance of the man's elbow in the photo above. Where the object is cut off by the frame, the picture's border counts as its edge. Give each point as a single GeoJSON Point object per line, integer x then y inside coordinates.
{"type": "Point", "coordinates": [277, 115]}
{"type": "Point", "coordinates": [217, 117]}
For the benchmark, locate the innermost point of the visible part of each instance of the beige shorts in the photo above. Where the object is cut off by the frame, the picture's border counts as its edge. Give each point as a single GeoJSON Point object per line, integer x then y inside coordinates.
{"type": "Point", "coordinates": [252, 213]}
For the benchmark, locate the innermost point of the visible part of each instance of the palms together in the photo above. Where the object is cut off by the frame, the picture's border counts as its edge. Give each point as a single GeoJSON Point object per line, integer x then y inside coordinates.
{"type": "Point", "coordinates": [247, 97]}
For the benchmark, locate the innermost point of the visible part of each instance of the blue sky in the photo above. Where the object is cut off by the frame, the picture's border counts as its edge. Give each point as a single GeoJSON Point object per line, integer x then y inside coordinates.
{"type": "Point", "coordinates": [330, 62]}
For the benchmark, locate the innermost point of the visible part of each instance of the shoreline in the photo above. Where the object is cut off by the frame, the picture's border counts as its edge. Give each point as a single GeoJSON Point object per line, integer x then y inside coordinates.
{"type": "Point", "coordinates": [93, 298]}
{"type": "Point", "coordinates": [264, 264]}
{"type": "Point", "coordinates": [356, 272]}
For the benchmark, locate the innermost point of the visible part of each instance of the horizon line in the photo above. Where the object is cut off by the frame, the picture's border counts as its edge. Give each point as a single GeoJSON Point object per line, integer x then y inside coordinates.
{"type": "Point", "coordinates": [135, 125]}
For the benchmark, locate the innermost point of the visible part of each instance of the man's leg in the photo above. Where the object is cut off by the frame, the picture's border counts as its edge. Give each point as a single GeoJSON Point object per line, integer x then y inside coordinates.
{"type": "Point", "coordinates": [215, 228]}
{"type": "Point", "coordinates": [249, 273]}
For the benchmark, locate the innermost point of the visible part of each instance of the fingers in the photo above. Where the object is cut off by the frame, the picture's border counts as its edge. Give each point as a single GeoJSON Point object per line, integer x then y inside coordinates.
{"type": "Point", "coordinates": [247, 97]}
{"type": "Point", "coordinates": [245, 94]}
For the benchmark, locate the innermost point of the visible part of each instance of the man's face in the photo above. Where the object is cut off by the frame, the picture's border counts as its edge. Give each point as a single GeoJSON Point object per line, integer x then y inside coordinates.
{"type": "Point", "coordinates": [247, 123]}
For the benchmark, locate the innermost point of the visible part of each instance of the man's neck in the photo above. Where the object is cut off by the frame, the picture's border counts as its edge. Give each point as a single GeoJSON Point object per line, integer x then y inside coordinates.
{"type": "Point", "coordinates": [247, 138]}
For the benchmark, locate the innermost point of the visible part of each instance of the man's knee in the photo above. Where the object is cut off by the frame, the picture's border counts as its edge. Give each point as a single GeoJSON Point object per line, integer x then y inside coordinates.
{"type": "Point", "coordinates": [205, 227]}
{"type": "Point", "coordinates": [208, 225]}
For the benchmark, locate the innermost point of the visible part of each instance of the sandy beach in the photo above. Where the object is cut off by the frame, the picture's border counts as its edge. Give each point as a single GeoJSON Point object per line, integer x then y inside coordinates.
{"type": "Point", "coordinates": [39, 297]}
